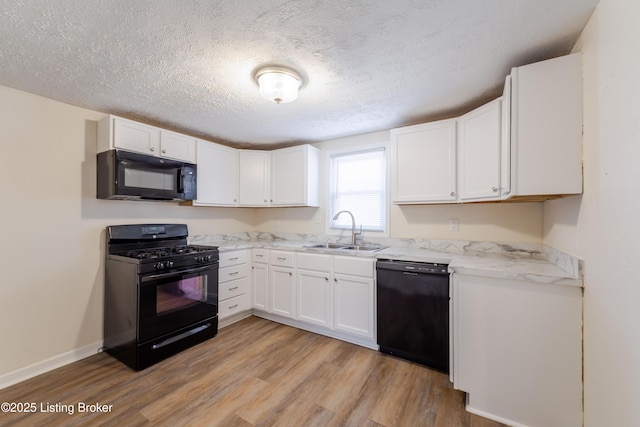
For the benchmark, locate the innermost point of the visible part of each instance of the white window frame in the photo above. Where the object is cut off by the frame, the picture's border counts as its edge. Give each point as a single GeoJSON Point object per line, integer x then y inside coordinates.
{"type": "Point", "coordinates": [328, 173]}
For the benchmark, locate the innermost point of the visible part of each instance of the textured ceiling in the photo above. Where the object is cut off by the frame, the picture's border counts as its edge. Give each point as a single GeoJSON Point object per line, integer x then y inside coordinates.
{"type": "Point", "coordinates": [367, 64]}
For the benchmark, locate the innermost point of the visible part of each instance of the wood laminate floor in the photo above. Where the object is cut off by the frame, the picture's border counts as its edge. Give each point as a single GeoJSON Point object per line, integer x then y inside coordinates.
{"type": "Point", "coordinates": [253, 373]}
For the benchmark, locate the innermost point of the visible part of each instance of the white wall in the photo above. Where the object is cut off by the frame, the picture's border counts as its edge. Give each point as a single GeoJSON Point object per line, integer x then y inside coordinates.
{"type": "Point", "coordinates": [52, 229]}
{"type": "Point", "coordinates": [603, 225]}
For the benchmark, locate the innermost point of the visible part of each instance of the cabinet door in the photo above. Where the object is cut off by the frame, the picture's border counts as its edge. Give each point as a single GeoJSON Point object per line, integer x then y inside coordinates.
{"type": "Point", "coordinates": [424, 162]}
{"type": "Point", "coordinates": [354, 305]}
{"type": "Point", "coordinates": [133, 136]}
{"type": "Point", "coordinates": [254, 179]}
{"type": "Point", "coordinates": [505, 157]}
{"type": "Point", "coordinates": [217, 174]}
{"type": "Point", "coordinates": [294, 176]}
{"type": "Point", "coordinates": [314, 297]}
{"type": "Point", "coordinates": [260, 286]}
{"type": "Point", "coordinates": [546, 127]}
{"type": "Point", "coordinates": [283, 291]}
{"type": "Point", "coordinates": [176, 146]}
{"type": "Point", "coordinates": [479, 152]}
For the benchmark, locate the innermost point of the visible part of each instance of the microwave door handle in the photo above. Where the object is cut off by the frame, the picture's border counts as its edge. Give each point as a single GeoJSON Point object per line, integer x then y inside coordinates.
{"type": "Point", "coordinates": [181, 180]}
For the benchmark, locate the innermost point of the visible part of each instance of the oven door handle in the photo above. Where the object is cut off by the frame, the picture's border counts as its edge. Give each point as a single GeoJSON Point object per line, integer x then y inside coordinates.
{"type": "Point", "coordinates": [189, 270]}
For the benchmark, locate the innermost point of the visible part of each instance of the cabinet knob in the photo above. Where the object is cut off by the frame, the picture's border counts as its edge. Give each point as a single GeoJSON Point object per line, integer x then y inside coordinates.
{"type": "Point", "coordinates": [326, 279]}
{"type": "Point", "coordinates": [290, 274]}
{"type": "Point", "coordinates": [452, 194]}
{"type": "Point", "coordinates": [164, 151]}
{"type": "Point", "coordinates": [335, 280]}
{"type": "Point", "coordinates": [494, 189]}
{"type": "Point", "coordinates": [152, 148]}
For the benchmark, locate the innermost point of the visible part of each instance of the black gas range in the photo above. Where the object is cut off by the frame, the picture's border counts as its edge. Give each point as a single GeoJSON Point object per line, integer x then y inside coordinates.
{"type": "Point", "coordinates": [161, 294]}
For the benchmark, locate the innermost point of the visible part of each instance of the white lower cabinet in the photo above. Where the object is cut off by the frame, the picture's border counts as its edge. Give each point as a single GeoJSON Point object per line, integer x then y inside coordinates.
{"type": "Point", "coordinates": [282, 283]}
{"type": "Point", "coordinates": [322, 293]}
{"type": "Point", "coordinates": [314, 297]}
{"type": "Point", "coordinates": [314, 289]}
{"type": "Point", "coordinates": [354, 295]}
{"type": "Point", "coordinates": [283, 292]}
{"type": "Point", "coordinates": [233, 284]}
{"type": "Point", "coordinates": [517, 350]}
{"type": "Point", "coordinates": [260, 280]}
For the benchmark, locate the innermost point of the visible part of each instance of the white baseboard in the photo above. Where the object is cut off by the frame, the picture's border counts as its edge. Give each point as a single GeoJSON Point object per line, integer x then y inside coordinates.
{"type": "Point", "coordinates": [50, 364]}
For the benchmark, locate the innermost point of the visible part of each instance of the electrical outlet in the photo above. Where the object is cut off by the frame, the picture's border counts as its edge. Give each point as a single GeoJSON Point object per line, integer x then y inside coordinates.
{"type": "Point", "coordinates": [454, 224]}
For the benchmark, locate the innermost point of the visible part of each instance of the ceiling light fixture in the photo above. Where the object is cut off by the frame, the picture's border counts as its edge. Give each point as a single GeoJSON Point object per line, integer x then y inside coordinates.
{"type": "Point", "coordinates": [278, 84]}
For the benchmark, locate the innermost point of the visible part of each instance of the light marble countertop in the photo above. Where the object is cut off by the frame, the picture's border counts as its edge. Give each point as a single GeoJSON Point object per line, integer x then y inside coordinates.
{"type": "Point", "coordinates": [535, 263]}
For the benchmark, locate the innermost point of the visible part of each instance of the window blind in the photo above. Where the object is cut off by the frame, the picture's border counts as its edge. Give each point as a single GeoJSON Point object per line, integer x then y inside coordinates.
{"type": "Point", "coordinates": [358, 185]}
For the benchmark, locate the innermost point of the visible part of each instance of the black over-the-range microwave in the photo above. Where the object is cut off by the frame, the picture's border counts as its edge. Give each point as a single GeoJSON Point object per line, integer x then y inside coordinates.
{"type": "Point", "coordinates": [123, 175]}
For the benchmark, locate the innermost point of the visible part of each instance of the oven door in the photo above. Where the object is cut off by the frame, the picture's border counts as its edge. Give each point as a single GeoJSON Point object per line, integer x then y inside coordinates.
{"type": "Point", "coordinates": [174, 300]}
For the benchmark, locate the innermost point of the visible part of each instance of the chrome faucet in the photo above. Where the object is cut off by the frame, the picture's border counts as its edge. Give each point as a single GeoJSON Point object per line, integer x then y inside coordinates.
{"type": "Point", "coordinates": [353, 226]}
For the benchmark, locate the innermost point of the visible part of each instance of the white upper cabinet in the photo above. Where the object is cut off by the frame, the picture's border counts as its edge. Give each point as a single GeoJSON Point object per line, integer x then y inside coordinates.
{"type": "Point", "coordinates": [295, 176]}
{"type": "Point", "coordinates": [255, 176]}
{"type": "Point", "coordinates": [217, 175]}
{"type": "Point", "coordinates": [177, 146]}
{"type": "Point", "coordinates": [123, 134]}
{"type": "Point", "coordinates": [546, 127]}
{"type": "Point", "coordinates": [479, 153]}
{"type": "Point", "coordinates": [527, 144]}
{"type": "Point", "coordinates": [424, 162]}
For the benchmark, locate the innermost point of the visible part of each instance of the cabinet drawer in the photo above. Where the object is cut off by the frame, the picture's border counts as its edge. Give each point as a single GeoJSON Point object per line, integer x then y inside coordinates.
{"type": "Point", "coordinates": [233, 258]}
{"type": "Point", "coordinates": [315, 262]}
{"type": "Point", "coordinates": [260, 255]}
{"type": "Point", "coordinates": [234, 305]}
{"type": "Point", "coordinates": [233, 288]}
{"type": "Point", "coordinates": [232, 273]}
{"type": "Point", "coordinates": [353, 266]}
{"type": "Point", "coordinates": [282, 259]}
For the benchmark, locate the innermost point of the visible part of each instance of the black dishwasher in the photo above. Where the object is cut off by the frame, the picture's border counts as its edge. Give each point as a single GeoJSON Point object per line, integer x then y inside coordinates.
{"type": "Point", "coordinates": [413, 311]}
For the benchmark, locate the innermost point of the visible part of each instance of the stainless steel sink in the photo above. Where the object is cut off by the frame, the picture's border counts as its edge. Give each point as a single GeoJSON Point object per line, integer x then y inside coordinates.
{"type": "Point", "coordinates": [343, 246]}
{"type": "Point", "coordinates": [369, 248]}
{"type": "Point", "coordinates": [328, 246]}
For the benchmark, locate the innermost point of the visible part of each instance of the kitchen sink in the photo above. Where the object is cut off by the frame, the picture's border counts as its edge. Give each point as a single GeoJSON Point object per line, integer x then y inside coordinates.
{"type": "Point", "coordinates": [328, 246]}
{"type": "Point", "coordinates": [369, 248]}
{"type": "Point", "coordinates": [348, 247]}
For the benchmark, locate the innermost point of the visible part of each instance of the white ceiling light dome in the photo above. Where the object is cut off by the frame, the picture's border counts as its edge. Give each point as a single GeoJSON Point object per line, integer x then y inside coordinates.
{"type": "Point", "coordinates": [278, 84]}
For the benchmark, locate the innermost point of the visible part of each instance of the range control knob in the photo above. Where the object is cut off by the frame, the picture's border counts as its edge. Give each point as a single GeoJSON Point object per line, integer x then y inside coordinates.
{"type": "Point", "coordinates": [159, 266]}
{"type": "Point", "coordinates": [169, 264]}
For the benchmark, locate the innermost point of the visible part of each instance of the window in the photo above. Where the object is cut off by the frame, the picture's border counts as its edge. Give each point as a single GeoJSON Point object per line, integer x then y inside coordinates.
{"type": "Point", "coordinates": [358, 183]}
